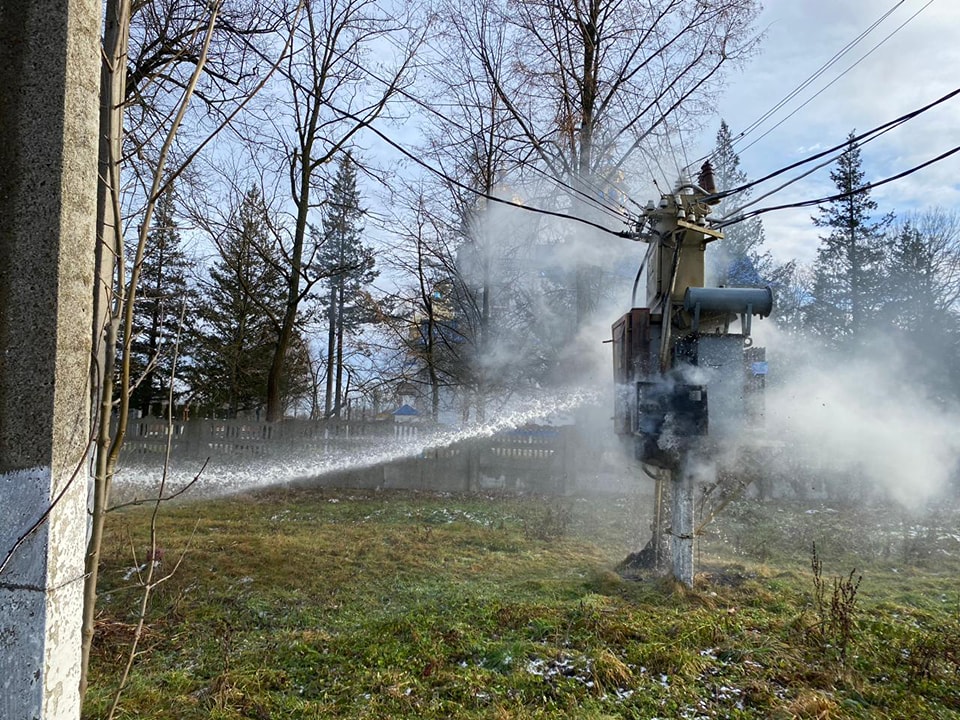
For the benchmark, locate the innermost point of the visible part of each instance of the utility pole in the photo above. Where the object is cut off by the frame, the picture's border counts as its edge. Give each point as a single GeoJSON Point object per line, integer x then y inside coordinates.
{"type": "Point", "coordinates": [49, 77]}
{"type": "Point", "coordinates": [669, 355]}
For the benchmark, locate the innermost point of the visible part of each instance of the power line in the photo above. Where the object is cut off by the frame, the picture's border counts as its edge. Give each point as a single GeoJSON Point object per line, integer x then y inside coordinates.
{"type": "Point", "coordinates": [829, 84]}
{"type": "Point", "coordinates": [816, 74]}
{"type": "Point", "coordinates": [615, 212]}
{"type": "Point", "coordinates": [737, 211]}
{"type": "Point", "coordinates": [840, 196]}
{"type": "Point", "coordinates": [493, 198]}
{"type": "Point", "coordinates": [861, 139]}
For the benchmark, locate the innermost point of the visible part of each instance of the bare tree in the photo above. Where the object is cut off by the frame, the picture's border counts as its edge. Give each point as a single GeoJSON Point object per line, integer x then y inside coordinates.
{"type": "Point", "coordinates": [470, 140]}
{"type": "Point", "coordinates": [589, 83]}
{"type": "Point", "coordinates": [178, 69]}
{"type": "Point", "coordinates": [921, 293]}
{"type": "Point", "coordinates": [331, 99]}
{"type": "Point", "coordinates": [430, 327]}
{"type": "Point", "coordinates": [437, 315]}
{"type": "Point", "coordinates": [940, 230]}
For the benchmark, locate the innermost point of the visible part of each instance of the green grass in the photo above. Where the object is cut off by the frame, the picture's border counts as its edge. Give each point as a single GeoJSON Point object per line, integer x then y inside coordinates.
{"type": "Point", "coordinates": [325, 604]}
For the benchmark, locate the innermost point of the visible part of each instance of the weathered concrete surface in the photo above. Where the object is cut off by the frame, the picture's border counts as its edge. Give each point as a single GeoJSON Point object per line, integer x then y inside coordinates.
{"type": "Point", "coordinates": [681, 525]}
{"type": "Point", "coordinates": [49, 81]}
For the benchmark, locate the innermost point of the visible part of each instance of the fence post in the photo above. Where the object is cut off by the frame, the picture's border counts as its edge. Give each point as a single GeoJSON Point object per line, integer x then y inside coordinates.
{"type": "Point", "coordinates": [194, 440]}
{"type": "Point", "coordinates": [568, 466]}
{"type": "Point", "coordinates": [473, 465]}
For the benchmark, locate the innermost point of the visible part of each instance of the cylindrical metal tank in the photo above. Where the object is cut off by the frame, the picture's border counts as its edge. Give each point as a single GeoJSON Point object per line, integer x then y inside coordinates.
{"type": "Point", "coordinates": [757, 301]}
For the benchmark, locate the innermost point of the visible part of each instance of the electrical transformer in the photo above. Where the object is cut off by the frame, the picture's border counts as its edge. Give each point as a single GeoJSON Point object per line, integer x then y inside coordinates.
{"type": "Point", "coordinates": [688, 379]}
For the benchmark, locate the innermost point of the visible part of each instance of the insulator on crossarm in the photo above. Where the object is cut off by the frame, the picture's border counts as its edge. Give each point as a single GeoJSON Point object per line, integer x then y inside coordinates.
{"type": "Point", "coordinates": [705, 178]}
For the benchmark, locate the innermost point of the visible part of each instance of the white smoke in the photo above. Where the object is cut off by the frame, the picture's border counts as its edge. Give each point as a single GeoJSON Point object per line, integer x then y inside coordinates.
{"type": "Point", "coordinates": [860, 420]}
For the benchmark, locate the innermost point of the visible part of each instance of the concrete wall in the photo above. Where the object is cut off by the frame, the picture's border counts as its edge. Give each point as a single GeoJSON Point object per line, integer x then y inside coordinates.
{"type": "Point", "coordinates": [49, 80]}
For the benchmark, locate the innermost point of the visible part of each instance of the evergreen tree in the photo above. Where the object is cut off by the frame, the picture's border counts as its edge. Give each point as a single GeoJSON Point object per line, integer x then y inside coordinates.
{"type": "Point", "coordinates": [920, 304]}
{"type": "Point", "coordinates": [911, 282]}
{"type": "Point", "coordinates": [738, 260]}
{"type": "Point", "coordinates": [238, 311]}
{"type": "Point", "coordinates": [849, 278]}
{"type": "Point", "coordinates": [349, 267]}
{"type": "Point", "coordinates": [162, 292]}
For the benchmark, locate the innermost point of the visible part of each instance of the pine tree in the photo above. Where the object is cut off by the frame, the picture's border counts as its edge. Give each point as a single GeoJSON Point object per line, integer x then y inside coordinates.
{"type": "Point", "coordinates": [738, 259]}
{"type": "Point", "coordinates": [849, 267]}
{"type": "Point", "coordinates": [160, 299]}
{"type": "Point", "coordinates": [238, 311]}
{"type": "Point", "coordinates": [349, 267]}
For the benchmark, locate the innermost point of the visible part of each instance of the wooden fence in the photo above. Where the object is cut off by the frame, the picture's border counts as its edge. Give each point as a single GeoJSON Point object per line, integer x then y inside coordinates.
{"type": "Point", "coordinates": [534, 460]}
{"type": "Point", "coordinates": [147, 438]}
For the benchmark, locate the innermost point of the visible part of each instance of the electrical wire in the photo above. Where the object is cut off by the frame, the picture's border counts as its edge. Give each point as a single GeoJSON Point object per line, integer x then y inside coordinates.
{"type": "Point", "coordinates": [615, 212]}
{"type": "Point", "coordinates": [840, 196]}
{"type": "Point", "coordinates": [618, 213]}
{"type": "Point", "coordinates": [736, 215]}
{"type": "Point", "coordinates": [683, 148]}
{"type": "Point", "coordinates": [493, 198]}
{"type": "Point", "coordinates": [861, 139]}
{"type": "Point", "coordinates": [636, 280]}
{"type": "Point", "coordinates": [666, 127]}
{"type": "Point", "coordinates": [816, 74]}
{"type": "Point", "coordinates": [829, 84]}
{"type": "Point", "coordinates": [621, 214]}
{"type": "Point", "coordinates": [737, 211]}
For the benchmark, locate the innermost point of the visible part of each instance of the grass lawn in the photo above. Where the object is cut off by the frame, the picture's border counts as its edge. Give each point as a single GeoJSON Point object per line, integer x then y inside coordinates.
{"type": "Point", "coordinates": [339, 604]}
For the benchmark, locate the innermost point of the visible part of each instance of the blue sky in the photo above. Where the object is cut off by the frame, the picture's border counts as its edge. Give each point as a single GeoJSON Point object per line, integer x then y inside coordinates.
{"type": "Point", "coordinates": [916, 65]}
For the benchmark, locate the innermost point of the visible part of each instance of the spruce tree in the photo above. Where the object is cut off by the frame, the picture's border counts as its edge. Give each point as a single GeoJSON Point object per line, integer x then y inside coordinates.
{"type": "Point", "coordinates": [737, 260]}
{"type": "Point", "coordinates": [349, 268]}
{"type": "Point", "coordinates": [848, 285]}
{"type": "Point", "coordinates": [920, 304]}
{"type": "Point", "coordinates": [238, 311]}
{"type": "Point", "coordinates": [911, 287]}
{"type": "Point", "coordinates": [160, 299]}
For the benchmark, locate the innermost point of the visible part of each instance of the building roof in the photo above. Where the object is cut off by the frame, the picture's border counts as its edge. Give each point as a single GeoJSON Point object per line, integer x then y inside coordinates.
{"type": "Point", "coordinates": [405, 410]}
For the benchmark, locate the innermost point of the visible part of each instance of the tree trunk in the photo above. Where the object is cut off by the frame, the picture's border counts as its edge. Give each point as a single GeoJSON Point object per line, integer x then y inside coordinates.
{"type": "Point", "coordinates": [108, 447]}
{"type": "Point", "coordinates": [338, 403]}
{"type": "Point", "coordinates": [302, 198]}
{"type": "Point", "coordinates": [108, 258]}
{"type": "Point", "coordinates": [331, 350]}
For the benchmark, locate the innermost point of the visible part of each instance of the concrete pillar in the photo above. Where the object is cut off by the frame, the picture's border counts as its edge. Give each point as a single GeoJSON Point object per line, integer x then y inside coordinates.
{"type": "Point", "coordinates": [681, 526]}
{"type": "Point", "coordinates": [49, 81]}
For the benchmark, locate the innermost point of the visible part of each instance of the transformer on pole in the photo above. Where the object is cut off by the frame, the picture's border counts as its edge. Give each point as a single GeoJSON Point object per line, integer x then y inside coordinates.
{"type": "Point", "coordinates": [685, 384]}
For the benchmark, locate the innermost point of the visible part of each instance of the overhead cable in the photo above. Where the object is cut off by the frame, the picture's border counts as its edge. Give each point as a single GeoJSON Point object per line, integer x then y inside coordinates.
{"type": "Point", "coordinates": [829, 84]}
{"type": "Point", "coordinates": [616, 212]}
{"type": "Point", "coordinates": [839, 196]}
{"type": "Point", "coordinates": [739, 210]}
{"type": "Point", "coordinates": [860, 139]}
{"type": "Point", "coordinates": [493, 198]}
{"type": "Point", "coordinates": [813, 76]}
{"type": "Point", "coordinates": [816, 74]}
